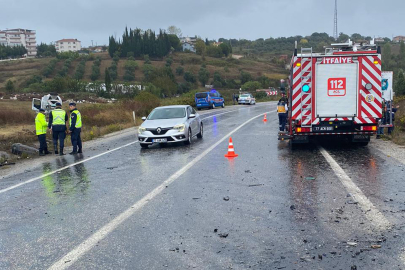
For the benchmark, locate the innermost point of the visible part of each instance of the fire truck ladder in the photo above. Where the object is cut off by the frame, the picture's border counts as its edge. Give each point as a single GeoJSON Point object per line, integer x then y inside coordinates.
{"type": "Point", "coordinates": [306, 79]}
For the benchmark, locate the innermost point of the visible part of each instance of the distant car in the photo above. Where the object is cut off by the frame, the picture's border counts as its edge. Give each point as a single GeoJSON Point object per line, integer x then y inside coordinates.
{"type": "Point", "coordinates": [170, 124]}
{"type": "Point", "coordinates": [209, 100]}
{"type": "Point", "coordinates": [247, 99]}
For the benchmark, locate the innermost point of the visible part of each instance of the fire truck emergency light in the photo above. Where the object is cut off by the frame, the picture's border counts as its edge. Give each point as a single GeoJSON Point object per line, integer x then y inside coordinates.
{"type": "Point", "coordinates": [305, 88]}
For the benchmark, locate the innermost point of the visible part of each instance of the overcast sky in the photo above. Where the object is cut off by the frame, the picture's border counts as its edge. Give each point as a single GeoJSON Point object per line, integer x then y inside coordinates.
{"type": "Point", "coordinates": [95, 20]}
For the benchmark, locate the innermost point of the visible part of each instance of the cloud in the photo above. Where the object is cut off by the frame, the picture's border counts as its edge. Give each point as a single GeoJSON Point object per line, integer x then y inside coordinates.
{"type": "Point", "coordinates": [96, 20]}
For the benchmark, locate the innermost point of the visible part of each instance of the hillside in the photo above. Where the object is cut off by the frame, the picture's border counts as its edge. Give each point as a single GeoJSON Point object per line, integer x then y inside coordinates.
{"type": "Point", "coordinates": [21, 71]}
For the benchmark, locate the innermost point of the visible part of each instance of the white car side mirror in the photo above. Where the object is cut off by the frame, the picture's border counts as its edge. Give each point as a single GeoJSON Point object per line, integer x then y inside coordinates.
{"type": "Point", "coordinates": [143, 118]}
{"type": "Point", "coordinates": [192, 116]}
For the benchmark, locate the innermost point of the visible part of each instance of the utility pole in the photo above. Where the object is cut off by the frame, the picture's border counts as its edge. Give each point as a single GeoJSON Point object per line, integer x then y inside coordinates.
{"type": "Point", "coordinates": [335, 28]}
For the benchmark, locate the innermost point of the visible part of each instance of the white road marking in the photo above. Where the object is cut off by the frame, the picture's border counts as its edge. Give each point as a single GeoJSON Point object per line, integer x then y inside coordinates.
{"type": "Point", "coordinates": [64, 168]}
{"type": "Point", "coordinates": [90, 242]}
{"type": "Point", "coordinates": [84, 160]}
{"type": "Point", "coordinates": [371, 212]}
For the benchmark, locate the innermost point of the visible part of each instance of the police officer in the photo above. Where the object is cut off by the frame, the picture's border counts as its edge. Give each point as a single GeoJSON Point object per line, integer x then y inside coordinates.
{"type": "Point", "coordinates": [58, 124]}
{"type": "Point", "coordinates": [40, 126]}
{"type": "Point", "coordinates": [75, 123]}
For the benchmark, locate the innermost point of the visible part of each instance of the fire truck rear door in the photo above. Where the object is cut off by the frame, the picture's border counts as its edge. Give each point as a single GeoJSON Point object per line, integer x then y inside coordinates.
{"type": "Point", "coordinates": [336, 90]}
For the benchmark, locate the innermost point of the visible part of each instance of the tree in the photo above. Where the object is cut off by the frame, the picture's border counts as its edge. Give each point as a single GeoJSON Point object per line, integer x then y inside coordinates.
{"type": "Point", "coordinates": [173, 30]}
{"type": "Point", "coordinates": [400, 83]}
{"type": "Point", "coordinates": [251, 86]}
{"type": "Point", "coordinates": [10, 86]}
{"type": "Point", "coordinates": [386, 57]}
{"type": "Point", "coordinates": [245, 77]}
{"type": "Point", "coordinates": [107, 80]}
{"type": "Point", "coordinates": [189, 77]}
{"type": "Point", "coordinates": [203, 76]}
{"type": "Point", "coordinates": [226, 49]}
{"type": "Point", "coordinates": [343, 37]}
{"type": "Point", "coordinates": [175, 42]}
{"type": "Point", "coordinates": [200, 47]}
{"type": "Point", "coordinates": [179, 70]}
{"type": "Point", "coordinates": [401, 56]}
{"type": "Point", "coordinates": [215, 51]}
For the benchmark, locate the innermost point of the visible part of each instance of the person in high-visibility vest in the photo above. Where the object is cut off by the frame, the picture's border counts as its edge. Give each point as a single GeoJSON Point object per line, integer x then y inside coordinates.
{"type": "Point", "coordinates": [75, 123]}
{"type": "Point", "coordinates": [40, 127]}
{"type": "Point", "coordinates": [58, 119]}
{"type": "Point", "coordinates": [282, 111]}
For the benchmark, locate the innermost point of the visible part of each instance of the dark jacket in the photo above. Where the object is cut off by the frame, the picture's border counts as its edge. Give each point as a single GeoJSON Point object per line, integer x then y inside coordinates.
{"type": "Point", "coordinates": [57, 127]}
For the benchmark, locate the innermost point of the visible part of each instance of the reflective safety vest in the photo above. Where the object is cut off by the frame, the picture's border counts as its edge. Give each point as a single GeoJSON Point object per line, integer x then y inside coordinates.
{"type": "Point", "coordinates": [78, 119]}
{"type": "Point", "coordinates": [281, 107]}
{"type": "Point", "coordinates": [58, 117]}
{"type": "Point", "coordinates": [40, 124]}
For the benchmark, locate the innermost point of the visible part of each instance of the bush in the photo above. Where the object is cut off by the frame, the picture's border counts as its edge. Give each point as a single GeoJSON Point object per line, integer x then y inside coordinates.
{"type": "Point", "coordinates": [95, 69]}
{"type": "Point", "coordinates": [180, 70]}
{"type": "Point", "coordinates": [80, 70]}
{"type": "Point", "coordinates": [189, 77]}
{"type": "Point", "coordinates": [169, 62]}
{"type": "Point", "coordinates": [146, 102]}
{"type": "Point", "coordinates": [47, 72]}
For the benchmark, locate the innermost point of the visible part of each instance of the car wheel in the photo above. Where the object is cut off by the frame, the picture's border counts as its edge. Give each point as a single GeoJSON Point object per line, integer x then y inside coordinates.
{"type": "Point", "coordinates": [223, 105]}
{"type": "Point", "coordinates": [213, 106]}
{"type": "Point", "coordinates": [199, 109]}
{"type": "Point", "coordinates": [189, 137]}
{"type": "Point", "coordinates": [200, 135]}
{"type": "Point", "coordinates": [144, 145]}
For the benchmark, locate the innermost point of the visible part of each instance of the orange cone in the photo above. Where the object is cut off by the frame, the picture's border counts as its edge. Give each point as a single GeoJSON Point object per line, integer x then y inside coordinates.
{"type": "Point", "coordinates": [231, 151]}
{"type": "Point", "coordinates": [265, 118]}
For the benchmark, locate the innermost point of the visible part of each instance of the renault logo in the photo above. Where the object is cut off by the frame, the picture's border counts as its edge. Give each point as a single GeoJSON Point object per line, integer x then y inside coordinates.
{"type": "Point", "coordinates": [159, 130]}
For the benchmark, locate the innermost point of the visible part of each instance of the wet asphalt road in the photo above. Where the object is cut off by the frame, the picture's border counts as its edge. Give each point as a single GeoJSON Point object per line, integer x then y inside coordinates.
{"type": "Point", "coordinates": [269, 208]}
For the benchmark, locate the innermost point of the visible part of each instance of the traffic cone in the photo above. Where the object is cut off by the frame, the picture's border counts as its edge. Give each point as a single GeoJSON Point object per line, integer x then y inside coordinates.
{"type": "Point", "coordinates": [231, 151]}
{"type": "Point", "coordinates": [265, 118]}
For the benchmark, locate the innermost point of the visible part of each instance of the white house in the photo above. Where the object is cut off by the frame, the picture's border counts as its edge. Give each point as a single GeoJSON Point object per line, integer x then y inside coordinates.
{"type": "Point", "coordinates": [188, 46]}
{"type": "Point", "coordinates": [66, 45]}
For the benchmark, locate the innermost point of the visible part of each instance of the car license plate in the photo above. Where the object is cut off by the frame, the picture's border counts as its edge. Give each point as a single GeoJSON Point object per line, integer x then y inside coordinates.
{"type": "Point", "coordinates": [160, 140]}
{"type": "Point", "coordinates": [322, 128]}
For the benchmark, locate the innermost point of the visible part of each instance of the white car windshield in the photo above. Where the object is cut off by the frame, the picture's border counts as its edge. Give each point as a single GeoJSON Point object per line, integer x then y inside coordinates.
{"type": "Point", "coordinates": [167, 113]}
{"type": "Point", "coordinates": [245, 96]}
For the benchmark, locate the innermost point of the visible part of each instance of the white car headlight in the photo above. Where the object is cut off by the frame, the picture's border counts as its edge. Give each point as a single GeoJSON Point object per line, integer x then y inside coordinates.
{"type": "Point", "coordinates": [141, 129]}
{"type": "Point", "coordinates": [179, 127]}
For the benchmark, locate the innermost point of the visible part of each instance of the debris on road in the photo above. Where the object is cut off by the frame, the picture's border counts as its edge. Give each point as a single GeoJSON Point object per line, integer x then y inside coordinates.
{"type": "Point", "coordinates": [310, 178]}
{"type": "Point", "coordinates": [223, 235]}
{"type": "Point", "coordinates": [256, 185]}
{"type": "Point", "coordinates": [375, 246]}
{"type": "Point", "coordinates": [352, 244]}
{"type": "Point", "coordinates": [226, 198]}
{"type": "Point", "coordinates": [215, 230]}
{"type": "Point", "coordinates": [292, 207]}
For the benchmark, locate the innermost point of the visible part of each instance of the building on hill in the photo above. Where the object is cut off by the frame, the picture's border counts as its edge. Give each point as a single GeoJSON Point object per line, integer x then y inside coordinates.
{"type": "Point", "coordinates": [68, 45]}
{"type": "Point", "coordinates": [188, 43]}
{"type": "Point", "coordinates": [216, 44]}
{"type": "Point", "coordinates": [20, 37]}
{"type": "Point", "coordinates": [188, 47]}
{"type": "Point", "coordinates": [399, 39]}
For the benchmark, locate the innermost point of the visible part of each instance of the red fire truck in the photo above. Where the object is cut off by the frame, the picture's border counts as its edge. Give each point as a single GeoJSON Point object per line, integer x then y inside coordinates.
{"type": "Point", "coordinates": [335, 93]}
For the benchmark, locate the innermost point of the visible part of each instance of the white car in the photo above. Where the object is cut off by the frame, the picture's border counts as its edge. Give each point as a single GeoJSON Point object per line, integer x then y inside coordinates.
{"type": "Point", "coordinates": [170, 124]}
{"type": "Point", "coordinates": [247, 99]}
